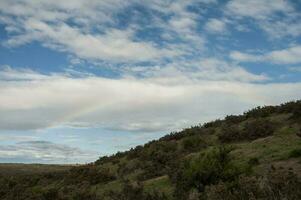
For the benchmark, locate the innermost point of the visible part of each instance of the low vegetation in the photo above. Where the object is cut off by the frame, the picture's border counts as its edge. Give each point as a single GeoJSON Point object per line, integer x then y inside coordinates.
{"type": "Point", "coordinates": [256, 155]}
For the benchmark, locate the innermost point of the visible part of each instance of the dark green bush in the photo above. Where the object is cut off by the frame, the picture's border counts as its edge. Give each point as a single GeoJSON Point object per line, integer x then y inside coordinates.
{"type": "Point", "coordinates": [295, 153]}
{"type": "Point", "coordinates": [193, 143]}
{"type": "Point", "coordinates": [261, 111]}
{"type": "Point", "coordinates": [234, 119]}
{"type": "Point", "coordinates": [253, 161]}
{"type": "Point", "coordinates": [258, 128]}
{"type": "Point", "coordinates": [252, 130]}
{"type": "Point", "coordinates": [230, 134]}
{"type": "Point", "coordinates": [209, 168]}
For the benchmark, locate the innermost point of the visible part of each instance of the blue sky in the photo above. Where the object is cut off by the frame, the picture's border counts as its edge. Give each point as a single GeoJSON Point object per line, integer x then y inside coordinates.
{"type": "Point", "coordinates": [84, 78]}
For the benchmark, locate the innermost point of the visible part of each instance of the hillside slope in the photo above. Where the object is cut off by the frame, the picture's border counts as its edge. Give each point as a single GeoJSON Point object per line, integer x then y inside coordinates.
{"type": "Point", "coordinates": [256, 155]}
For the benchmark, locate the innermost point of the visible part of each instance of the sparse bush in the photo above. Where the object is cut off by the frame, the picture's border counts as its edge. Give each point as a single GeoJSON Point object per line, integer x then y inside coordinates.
{"type": "Point", "coordinates": [276, 185]}
{"type": "Point", "coordinates": [261, 111]}
{"type": "Point", "coordinates": [234, 119]}
{"type": "Point", "coordinates": [215, 123]}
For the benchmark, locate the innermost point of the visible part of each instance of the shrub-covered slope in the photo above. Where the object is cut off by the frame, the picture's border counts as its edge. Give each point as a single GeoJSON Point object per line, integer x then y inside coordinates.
{"type": "Point", "coordinates": [256, 155]}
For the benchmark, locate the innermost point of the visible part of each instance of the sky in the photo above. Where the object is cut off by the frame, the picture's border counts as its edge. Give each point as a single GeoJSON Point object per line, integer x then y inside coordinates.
{"type": "Point", "coordinates": [80, 79]}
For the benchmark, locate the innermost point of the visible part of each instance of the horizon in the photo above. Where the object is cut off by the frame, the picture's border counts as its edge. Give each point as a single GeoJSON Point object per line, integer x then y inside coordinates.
{"type": "Point", "coordinates": [83, 79]}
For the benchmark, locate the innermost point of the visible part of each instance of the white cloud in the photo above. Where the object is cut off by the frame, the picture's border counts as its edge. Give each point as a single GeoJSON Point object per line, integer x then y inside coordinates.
{"type": "Point", "coordinates": [156, 103]}
{"type": "Point", "coordinates": [215, 26]}
{"type": "Point", "coordinates": [209, 69]}
{"type": "Point", "coordinates": [291, 55]}
{"type": "Point", "coordinates": [93, 34]}
{"type": "Point", "coordinates": [278, 18]}
{"type": "Point", "coordinates": [91, 11]}
{"type": "Point", "coordinates": [183, 24]}
{"type": "Point", "coordinates": [89, 29]}
{"type": "Point", "coordinates": [244, 57]}
{"type": "Point", "coordinates": [259, 9]}
{"type": "Point", "coordinates": [44, 152]}
{"type": "Point", "coordinates": [113, 45]}
{"type": "Point", "coordinates": [278, 29]}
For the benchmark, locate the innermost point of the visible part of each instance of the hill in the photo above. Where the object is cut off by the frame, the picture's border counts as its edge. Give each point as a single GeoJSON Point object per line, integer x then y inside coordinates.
{"type": "Point", "coordinates": [256, 155]}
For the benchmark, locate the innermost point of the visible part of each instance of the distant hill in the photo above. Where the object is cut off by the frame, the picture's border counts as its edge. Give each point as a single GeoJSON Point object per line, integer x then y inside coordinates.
{"type": "Point", "coordinates": [12, 169]}
{"type": "Point", "coordinates": [256, 155]}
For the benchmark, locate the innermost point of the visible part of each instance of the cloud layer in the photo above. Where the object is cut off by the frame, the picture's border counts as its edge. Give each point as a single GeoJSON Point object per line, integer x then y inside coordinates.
{"type": "Point", "coordinates": [290, 55]}
{"type": "Point", "coordinates": [156, 103]}
{"type": "Point", "coordinates": [44, 152]}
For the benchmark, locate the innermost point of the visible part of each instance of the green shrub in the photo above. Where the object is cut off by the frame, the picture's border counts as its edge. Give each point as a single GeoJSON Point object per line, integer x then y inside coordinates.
{"type": "Point", "coordinates": [258, 128]}
{"type": "Point", "coordinates": [133, 191]}
{"type": "Point", "coordinates": [295, 153]}
{"type": "Point", "coordinates": [252, 130]}
{"type": "Point", "coordinates": [193, 143]}
{"type": "Point", "coordinates": [209, 168]}
{"type": "Point", "coordinates": [230, 134]}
